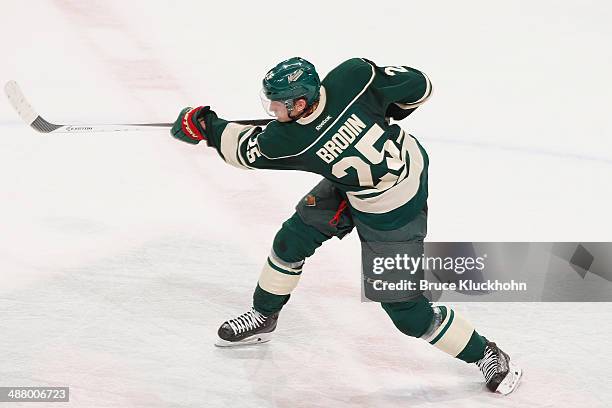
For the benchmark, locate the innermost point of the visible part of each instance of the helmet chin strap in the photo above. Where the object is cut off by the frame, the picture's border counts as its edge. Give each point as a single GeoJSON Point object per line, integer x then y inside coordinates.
{"type": "Point", "coordinates": [290, 107]}
{"type": "Point", "coordinates": [307, 111]}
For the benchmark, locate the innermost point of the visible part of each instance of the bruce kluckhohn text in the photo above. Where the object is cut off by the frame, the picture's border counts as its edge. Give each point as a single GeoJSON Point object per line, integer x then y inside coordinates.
{"type": "Point", "coordinates": [461, 285]}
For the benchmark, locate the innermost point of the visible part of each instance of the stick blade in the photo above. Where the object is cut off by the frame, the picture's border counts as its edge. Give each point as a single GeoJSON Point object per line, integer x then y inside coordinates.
{"type": "Point", "coordinates": [19, 102]}
{"type": "Point", "coordinates": [25, 110]}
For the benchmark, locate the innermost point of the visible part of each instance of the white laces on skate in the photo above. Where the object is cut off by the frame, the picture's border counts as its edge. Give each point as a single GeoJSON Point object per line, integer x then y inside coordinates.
{"type": "Point", "coordinates": [247, 321]}
{"type": "Point", "coordinates": [488, 364]}
{"type": "Point", "coordinates": [492, 363]}
{"type": "Point", "coordinates": [501, 375]}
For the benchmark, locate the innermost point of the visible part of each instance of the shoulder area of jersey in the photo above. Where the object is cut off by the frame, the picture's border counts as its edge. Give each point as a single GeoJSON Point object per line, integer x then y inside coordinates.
{"type": "Point", "coordinates": [279, 139]}
{"type": "Point", "coordinates": [359, 67]}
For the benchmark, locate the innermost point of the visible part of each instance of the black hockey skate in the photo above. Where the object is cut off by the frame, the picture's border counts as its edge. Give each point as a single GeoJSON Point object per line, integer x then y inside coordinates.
{"type": "Point", "coordinates": [249, 328]}
{"type": "Point", "coordinates": [501, 375]}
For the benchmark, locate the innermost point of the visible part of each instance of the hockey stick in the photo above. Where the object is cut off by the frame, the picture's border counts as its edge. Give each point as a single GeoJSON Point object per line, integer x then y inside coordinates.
{"type": "Point", "coordinates": [29, 116]}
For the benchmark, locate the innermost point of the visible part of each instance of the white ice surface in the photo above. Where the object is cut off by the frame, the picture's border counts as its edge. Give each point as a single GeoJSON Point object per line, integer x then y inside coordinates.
{"type": "Point", "coordinates": [120, 254]}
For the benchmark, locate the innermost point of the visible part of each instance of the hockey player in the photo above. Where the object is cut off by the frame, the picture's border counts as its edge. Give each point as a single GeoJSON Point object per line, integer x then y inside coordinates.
{"type": "Point", "coordinates": [375, 180]}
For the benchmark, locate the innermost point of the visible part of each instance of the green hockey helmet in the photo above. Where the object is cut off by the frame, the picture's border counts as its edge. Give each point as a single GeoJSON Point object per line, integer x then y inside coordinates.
{"type": "Point", "coordinates": [291, 79]}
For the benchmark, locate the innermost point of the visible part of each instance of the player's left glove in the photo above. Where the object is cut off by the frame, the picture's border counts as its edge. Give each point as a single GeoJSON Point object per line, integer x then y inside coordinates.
{"type": "Point", "coordinates": [189, 126]}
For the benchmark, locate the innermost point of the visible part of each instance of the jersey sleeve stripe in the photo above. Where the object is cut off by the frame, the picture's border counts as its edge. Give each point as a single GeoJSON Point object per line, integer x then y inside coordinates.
{"type": "Point", "coordinates": [229, 143]}
{"type": "Point", "coordinates": [423, 99]}
{"type": "Point", "coordinates": [239, 151]}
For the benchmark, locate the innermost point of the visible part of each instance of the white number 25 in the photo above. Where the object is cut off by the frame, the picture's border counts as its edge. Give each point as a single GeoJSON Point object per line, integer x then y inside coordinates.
{"type": "Point", "coordinates": [365, 146]}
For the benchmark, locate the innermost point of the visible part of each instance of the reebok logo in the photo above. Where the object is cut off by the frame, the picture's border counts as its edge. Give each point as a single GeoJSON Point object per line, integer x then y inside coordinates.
{"type": "Point", "coordinates": [323, 122]}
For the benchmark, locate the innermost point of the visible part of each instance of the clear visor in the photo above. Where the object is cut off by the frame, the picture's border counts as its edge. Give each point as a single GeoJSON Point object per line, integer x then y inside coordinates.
{"type": "Point", "coordinates": [266, 103]}
{"type": "Point", "coordinates": [276, 109]}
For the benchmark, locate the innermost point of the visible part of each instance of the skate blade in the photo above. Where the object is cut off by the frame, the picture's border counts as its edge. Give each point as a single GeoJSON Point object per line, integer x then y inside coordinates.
{"type": "Point", "coordinates": [253, 340]}
{"type": "Point", "coordinates": [511, 382]}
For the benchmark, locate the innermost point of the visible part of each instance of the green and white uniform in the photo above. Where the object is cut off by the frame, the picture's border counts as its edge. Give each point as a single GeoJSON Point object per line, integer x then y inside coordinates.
{"type": "Point", "coordinates": [374, 165]}
{"type": "Point", "coordinates": [380, 168]}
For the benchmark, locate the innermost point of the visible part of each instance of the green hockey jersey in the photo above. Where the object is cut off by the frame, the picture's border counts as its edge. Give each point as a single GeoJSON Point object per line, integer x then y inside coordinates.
{"type": "Point", "coordinates": [348, 139]}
